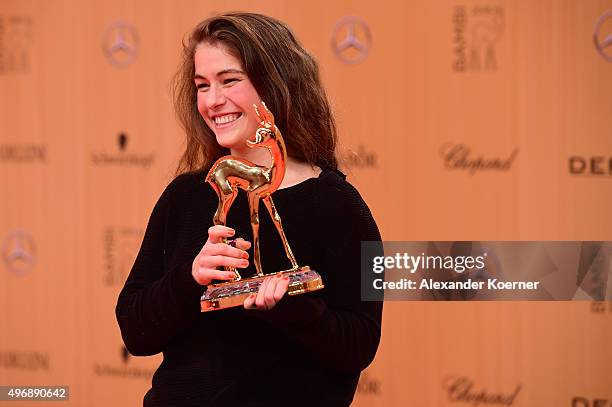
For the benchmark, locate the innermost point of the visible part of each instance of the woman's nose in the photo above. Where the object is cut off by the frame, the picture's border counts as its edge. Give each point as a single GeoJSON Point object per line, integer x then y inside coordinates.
{"type": "Point", "coordinates": [214, 97]}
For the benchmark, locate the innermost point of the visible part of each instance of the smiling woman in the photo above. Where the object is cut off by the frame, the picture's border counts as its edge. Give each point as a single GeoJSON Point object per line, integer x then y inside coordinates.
{"type": "Point", "coordinates": [262, 55]}
{"type": "Point", "coordinates": [276, 350]}
{"type": "Point", "coordinates": [225, 98]}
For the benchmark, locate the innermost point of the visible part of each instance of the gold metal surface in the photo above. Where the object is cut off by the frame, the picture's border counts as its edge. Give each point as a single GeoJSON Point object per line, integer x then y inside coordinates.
{"type": "Point", "coordinates": [229, 173]}
{"type": "Point", "coordinates": [226, 176]}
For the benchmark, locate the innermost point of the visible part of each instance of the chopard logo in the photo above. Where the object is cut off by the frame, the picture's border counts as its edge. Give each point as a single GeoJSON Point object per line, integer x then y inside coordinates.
{"type": "Point", "coordinates": [462, 389]}
{"type": "Point", "coordinates": [603, 42]}
{"type": "Point", "coordinates": [460, 157]}
{"type": "Point", "coordinates": [120, 43]}
{"type": "Point", "coordinates": [351, 40]}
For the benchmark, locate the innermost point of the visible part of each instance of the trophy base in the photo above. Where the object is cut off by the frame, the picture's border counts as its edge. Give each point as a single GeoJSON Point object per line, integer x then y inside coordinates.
{"type": "Point", "coordinates": [234, 293]}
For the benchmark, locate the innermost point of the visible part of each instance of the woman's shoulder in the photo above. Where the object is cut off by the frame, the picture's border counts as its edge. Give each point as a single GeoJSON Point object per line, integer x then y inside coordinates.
{"type": "Point", "coordinates": [337, 192]}
{"type": "Point", "coordinates": [185, 185]}
{"type": "Point", "coordinates": [341, 204]}
{"type": "Point", "coordinates": [187, 179]}
{"type": "Point", "coordinates": [334, 181]}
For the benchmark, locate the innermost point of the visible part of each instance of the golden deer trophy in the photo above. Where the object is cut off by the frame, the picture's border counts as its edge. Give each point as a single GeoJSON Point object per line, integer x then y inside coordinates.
{"type": "Point", "coordinates": [228, 174]}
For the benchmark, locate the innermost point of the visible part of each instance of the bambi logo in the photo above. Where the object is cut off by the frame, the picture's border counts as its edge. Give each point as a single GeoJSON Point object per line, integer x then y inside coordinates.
{"type": "Point", "coordinates": [351, 40]}
{"type": "Point", "coordinates": [477, 31]}
{"type": "Point", "coordinates": [15, 43]}
{"type": "Point", "coordinates": [120, 249]}
{"type": "Point", "coordinates": [19, 252]}
{"type": "Point", "coordinates": [603, 43]}
{"type": "Point", "coordinates": [120, 44]}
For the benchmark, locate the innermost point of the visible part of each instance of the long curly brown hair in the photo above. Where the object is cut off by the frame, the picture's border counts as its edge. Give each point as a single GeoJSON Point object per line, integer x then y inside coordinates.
{"type": "Point", "coordinates": [285, 76]}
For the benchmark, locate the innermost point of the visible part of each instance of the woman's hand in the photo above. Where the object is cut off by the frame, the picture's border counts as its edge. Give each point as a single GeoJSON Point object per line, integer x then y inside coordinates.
{"type": "Point", "coordinates": [216, 254]}
{"type": "Point", "coordinates": [271, 290]}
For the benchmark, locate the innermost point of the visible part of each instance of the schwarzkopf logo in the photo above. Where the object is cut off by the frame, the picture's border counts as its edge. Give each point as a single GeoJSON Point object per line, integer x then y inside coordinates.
{"type": "Point", "coordinates": [15, 42]}
{"type": "Point", "coordinates": [476, 33]}
{"type": "Point", "coordinates": [462, 389]}
{"type": "Point", "coordinates": [120, 249]}
{"type": "Point", "coordinates": [602, 36]}
{"type": "Point", "coordinates": [125, 370]}
{"type": "Point", "coordinates": [460, 157]}
{"type": "Point", "coordinates": [23, 153]}
{"type": "Point", "coordinates": [121, 157]}
{"type": "Point", "coordinates": [120, 43]}
{"type": "Point", "coordinates": [125, 355]}
{"type": "Point", "coordinates": [351, 40]}
{"type": "Point", "coordinates": [122, 141]}
{"type": "Point", "coordinates": [360, 158]}
{"type": "Point", "coordinates": [19, 252]}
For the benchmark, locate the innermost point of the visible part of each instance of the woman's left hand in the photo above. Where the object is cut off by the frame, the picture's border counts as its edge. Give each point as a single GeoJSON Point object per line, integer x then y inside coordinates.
{"type": "Point", "coordinates": [271, 290]}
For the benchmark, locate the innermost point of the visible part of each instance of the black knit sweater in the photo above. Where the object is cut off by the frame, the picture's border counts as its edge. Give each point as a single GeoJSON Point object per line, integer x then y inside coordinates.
{"type": "Point", "coordinates": [308, 350]}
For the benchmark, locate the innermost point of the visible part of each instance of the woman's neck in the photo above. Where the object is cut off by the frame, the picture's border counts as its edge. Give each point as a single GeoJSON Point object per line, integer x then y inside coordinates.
{"type": "Point", "coordinates": [258, 155]}
{"type": "Point", "coordinates": [295, 171]}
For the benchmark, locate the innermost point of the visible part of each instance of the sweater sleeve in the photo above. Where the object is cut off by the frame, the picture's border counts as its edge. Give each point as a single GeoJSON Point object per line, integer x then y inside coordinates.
{"type": "Point", "coordinates": [156, 304]}
{"type": "Point", "coordinates": [336, 328]}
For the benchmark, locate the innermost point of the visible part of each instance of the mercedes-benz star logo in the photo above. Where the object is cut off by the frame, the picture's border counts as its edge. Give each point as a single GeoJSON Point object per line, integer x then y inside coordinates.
{"type": "Point", "coordinates": [351, 40]}
{"type": "Point", "coordinates": [120, 43]}
{"type": "Point", "coordinates": [603, 43]}
{"type": "Point", "coordinates": [19, 252]}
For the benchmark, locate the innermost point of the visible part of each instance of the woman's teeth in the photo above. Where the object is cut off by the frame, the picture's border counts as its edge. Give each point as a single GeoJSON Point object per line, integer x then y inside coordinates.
{"type": "Point", "coordinates": [226, 118]}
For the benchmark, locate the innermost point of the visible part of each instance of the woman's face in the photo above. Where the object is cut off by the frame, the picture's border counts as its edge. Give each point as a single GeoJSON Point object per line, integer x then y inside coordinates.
{"type": "Point", "coordinates": [225, 96]}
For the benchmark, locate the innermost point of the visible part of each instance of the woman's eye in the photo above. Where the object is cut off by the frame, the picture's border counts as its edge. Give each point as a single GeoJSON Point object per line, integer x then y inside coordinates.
{"type": "Point", "coordinates": [230, 80]}
{"type": "Point", "coordinates": [202, 86]}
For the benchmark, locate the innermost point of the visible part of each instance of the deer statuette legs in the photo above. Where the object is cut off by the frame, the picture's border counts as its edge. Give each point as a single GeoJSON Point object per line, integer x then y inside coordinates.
{"type": "Point", "coordinates": [229, 173]}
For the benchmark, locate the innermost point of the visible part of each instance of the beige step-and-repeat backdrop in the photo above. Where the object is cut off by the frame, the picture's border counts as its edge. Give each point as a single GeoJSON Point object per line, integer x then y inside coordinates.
{"type": "Point", "coordinates": [459, 120]}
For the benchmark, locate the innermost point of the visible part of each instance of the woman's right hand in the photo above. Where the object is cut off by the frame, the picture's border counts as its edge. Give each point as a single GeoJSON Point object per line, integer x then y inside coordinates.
{"type": "Point", "coordinates": [216, 254]}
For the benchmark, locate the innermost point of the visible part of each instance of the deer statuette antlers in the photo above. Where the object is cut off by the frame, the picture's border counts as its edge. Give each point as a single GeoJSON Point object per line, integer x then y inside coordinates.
{"type": "Point", "coordinates": [229, 173]}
